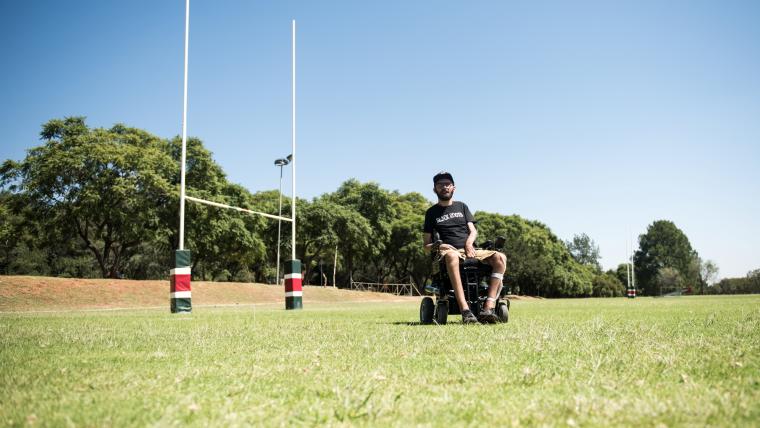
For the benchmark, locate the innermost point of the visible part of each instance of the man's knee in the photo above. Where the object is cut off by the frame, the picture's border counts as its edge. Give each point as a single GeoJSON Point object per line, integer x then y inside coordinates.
{"type": "Point", "coordinates": [498, 260]}
{"type": "Point", "coordinates": [451, 258]}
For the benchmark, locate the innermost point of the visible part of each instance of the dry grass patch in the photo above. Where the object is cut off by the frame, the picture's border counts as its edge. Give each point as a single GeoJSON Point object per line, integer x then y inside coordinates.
{"type": "Point", "coordinates": [33, 293]}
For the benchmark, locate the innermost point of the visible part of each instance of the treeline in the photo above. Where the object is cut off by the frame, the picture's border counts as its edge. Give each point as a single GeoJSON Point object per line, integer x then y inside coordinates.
{"type": "Point", "coordinates": [666, 263]}
{"type": "Point", "coordinates": [749, 284]}
{"type": "Point", "coordinates": [94, 202]}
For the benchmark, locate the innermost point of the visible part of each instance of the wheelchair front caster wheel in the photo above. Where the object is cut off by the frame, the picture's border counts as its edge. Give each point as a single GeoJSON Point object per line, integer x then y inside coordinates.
{"type": "Point", "coordinates": [426, 310]}
{"type": "Point", "coordinates": [502, 312]}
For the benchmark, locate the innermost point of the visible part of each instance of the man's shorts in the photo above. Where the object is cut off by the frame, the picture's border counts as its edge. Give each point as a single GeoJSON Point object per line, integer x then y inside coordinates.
{"type": "Point", "coordinates": [481, 255]}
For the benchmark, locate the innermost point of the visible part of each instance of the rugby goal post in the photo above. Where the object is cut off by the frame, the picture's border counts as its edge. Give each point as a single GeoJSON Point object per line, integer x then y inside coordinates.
{"type": "Point", "coordinates": [180, 277]}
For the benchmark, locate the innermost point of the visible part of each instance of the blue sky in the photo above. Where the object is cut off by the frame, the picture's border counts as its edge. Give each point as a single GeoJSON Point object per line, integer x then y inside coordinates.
{"type": "Point", "coordinates": [594, 117]}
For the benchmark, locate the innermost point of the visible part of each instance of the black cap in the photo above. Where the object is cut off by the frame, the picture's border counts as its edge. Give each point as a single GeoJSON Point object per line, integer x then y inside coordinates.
{"type": "Point", "coordinates": [441, 175]}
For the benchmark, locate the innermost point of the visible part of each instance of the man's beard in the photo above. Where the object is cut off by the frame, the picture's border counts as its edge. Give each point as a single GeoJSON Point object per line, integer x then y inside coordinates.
{"type": "Point", "coordinates": [444, 197]}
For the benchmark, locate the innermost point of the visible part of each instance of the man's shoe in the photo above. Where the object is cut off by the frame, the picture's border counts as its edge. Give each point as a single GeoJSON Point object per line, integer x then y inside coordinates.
{"type": "Point", "coordinates": [488, 316]}
{"type": "Point", "coordinates": [468, 317]}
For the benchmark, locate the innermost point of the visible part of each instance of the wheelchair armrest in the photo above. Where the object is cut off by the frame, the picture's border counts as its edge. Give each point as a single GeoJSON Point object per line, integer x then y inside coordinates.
{"type": "Point", "coordinates": [434, 249]}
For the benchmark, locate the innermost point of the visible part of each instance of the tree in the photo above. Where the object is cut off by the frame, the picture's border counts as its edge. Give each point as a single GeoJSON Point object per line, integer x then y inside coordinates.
{"type": "Point", "coordinates": [753, 281]}
{"type": "Point", "coordinates": [744, 285]}
{"type": "Point", "coordinates": [114, 194]}
{"type": "Point", "coordinates": [355, 240]}
{"type": "Point", "coordinates": [226, 245]}
{"type": "Point", "coordinates": [325, 225]}
{"type": "Point", "coordinates": [8, 233]}
{"type": "Point", "coordinates": [708, 272]}
{"type": "Point", "coordinates": [621, 273]}
{"type": "Point", "coordinates": [108, 186]}
{"type": "Point", "coordinates": [662, 246]}
{"type": "Point", "coordinates": [409, 258]}
{"type": "Point", "coordinates": [668, 280]}
{"type": "Point", "coordinates": [585, 251]}
{"type": "Point", "coordinates": [538, 263]}
{"type": "Point", "coordinates": [317, 233]}
{"type": "Point", "coordinates": [376, 206]}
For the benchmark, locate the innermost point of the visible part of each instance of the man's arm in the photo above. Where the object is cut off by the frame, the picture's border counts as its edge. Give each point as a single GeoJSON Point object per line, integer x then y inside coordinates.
{"type": "Point", "coordinates": [427, 239]}
{"type": "Point", "coordinates": [469, 245]}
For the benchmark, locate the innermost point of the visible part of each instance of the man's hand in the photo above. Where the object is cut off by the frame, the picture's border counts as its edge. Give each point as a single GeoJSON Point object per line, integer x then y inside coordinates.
{"type": "Point", "coordinates": [469, 251]}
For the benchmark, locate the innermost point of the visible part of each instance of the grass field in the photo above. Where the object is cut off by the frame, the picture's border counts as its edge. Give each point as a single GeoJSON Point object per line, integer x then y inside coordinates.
{"type": "Point", "coordinates": [688, 361]}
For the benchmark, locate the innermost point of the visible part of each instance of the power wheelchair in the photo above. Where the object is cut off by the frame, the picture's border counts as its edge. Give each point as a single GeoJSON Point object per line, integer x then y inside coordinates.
{"type": "Point", "coordinates": [475, 277]}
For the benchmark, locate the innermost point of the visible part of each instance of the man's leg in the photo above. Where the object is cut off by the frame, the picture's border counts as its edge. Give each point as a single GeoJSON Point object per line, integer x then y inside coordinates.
{"type": "Point", "coordinates": [498, 263]}
{"type": "Point", "coordinates": [452, 267]}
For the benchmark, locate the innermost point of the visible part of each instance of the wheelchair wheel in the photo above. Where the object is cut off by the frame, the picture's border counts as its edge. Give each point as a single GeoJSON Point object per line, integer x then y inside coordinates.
{"type": "Point", "coordinates": [502, 311]}
{"type": "Point", "coordinates": [441, 312]}
{"type": "Point", "coordinates": [426, 310]}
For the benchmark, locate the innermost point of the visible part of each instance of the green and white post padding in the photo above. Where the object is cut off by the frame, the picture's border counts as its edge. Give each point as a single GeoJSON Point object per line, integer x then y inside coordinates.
{"type": "Point", "coordinates": [293, 289]}
{"type": "Point", "coordinates": [179, 290]}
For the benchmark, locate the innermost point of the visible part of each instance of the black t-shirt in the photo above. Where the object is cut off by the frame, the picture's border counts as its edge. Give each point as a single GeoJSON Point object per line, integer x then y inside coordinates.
{"type": "Point", "coordinates": [450, 223]}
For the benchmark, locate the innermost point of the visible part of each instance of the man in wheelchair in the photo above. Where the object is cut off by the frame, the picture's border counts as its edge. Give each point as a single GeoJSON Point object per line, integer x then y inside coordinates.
{"type": "Point", "coordinates": [453, 222]}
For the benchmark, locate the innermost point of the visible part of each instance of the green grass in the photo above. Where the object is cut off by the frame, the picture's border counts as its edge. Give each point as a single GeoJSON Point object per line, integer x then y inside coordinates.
{"type": "Point", "coordinates": [691, 361]}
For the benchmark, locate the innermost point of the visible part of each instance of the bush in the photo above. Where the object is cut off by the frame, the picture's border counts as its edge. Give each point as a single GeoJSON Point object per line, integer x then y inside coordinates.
{"type": "Point", "coordinates": [607, 285]}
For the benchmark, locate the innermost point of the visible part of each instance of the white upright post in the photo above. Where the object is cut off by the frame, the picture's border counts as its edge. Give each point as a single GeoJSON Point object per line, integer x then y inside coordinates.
{"type": "Point", "coordinates": [630, 270]}
{"type": "Point", "coordinates": [179, 282]}
{"type": "Point", "coordinates": [184, 136]}
{"type": "Point", "coordinates": [293, 133]}
{"type": "Point", "coordinates": [627, 266]}
{"type": "Point", "coordinates": [293, 280]}
{"type": "Point", "coordinates": [633, 272]}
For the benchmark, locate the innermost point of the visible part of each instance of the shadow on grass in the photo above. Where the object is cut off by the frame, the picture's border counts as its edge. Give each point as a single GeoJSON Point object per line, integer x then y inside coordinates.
{"type": "Point", "coordinates": [415, 323]}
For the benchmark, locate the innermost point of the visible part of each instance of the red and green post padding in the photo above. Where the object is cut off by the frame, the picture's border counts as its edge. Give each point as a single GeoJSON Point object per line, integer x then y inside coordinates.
{"type": "Point", "coordinates": [180, 283]}
{"type": "Point", "coordinates": [631, 292]}
{"type": "Point", "coordinates": [293, 289]}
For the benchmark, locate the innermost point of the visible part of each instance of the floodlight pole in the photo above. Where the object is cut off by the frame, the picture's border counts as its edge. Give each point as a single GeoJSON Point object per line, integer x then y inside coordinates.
{"type": "Point", "coordinates": [281, 163]}
{"type": "Point", "coordinates": [279, 231]}
{"type": "Point", "coordinates": [179, 282]}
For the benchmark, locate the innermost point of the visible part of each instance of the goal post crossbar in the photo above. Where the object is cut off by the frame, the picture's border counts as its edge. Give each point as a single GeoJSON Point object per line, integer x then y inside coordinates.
{"type": "Point", "coordinates": [217, 204]}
